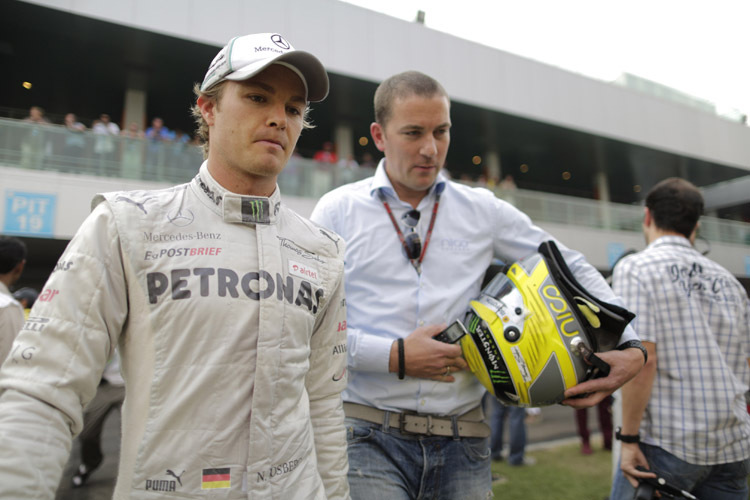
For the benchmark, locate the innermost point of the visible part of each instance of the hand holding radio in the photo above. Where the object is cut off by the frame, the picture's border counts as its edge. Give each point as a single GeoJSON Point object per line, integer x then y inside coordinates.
{"type": "Point", "coordinates": [425, 358]}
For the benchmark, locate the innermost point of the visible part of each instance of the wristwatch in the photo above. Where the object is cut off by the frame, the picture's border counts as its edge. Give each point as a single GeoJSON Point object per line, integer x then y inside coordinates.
{"type": "Point", "coordinates": [626, 438]}
{"type": "Point", "coordinates": [634, 343]}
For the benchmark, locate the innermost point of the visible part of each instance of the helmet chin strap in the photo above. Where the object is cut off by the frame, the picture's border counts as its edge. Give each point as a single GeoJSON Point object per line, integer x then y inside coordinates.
{"type": "Point", "coordinates": [600, 368]}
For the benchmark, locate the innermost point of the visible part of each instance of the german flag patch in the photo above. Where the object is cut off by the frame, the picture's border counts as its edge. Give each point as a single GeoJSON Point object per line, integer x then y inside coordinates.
{"type": "Point", "coordinates": [215, 479]}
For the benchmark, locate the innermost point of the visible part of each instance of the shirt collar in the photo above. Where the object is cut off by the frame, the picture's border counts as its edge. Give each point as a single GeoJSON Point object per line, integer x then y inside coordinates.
{"type": "Point", "coordinates": [381, 180]}
{"type": "Point", "coordinates": [236, 208]}
{"type": "Point", "coordinates": [671, 240]}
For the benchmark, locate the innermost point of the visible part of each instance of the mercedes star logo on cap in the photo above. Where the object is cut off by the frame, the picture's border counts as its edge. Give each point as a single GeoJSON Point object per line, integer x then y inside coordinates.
{"type": "Point", "coordinates": [279, 41]}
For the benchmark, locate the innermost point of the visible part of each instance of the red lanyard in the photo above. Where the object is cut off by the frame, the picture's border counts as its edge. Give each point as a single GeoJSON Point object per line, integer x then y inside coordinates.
{"type": "Point", "coordinates": [417, 263]}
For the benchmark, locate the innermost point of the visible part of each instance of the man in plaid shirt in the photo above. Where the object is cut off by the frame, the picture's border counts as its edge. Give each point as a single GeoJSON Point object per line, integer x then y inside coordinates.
{"type": "Point", "coordinates": [684, 414]}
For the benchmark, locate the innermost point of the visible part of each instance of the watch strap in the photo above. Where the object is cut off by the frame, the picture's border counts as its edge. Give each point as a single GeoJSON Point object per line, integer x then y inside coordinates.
{"type": "Point", "coordinates": [626, 438]}
{"type": "Point", "coordinates": [401, 360]}
{"type": "Point", "coordinates": [636, 344]}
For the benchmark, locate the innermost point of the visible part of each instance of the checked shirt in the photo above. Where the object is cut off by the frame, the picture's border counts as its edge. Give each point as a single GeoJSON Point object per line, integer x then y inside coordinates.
{"type": "Point", "coordinates": [698, 316]}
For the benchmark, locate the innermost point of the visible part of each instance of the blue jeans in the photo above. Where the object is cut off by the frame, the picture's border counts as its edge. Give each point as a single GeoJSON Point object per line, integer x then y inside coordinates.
{"type": "Point", "coordinates": [516, 417]}
{"type": "Point", "coordinates": [385, 464]}
{"type": "Point", "coordinates": [707, 482]}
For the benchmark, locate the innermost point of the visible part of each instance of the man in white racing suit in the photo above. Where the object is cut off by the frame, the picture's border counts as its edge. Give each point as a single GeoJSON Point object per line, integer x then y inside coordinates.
{"type": "Point", "coordinates": [227, 307]}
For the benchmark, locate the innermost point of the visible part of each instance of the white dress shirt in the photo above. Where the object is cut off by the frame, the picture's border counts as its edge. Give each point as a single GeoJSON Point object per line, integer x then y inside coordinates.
{"type": "Point", "coordinates": [387, 299]}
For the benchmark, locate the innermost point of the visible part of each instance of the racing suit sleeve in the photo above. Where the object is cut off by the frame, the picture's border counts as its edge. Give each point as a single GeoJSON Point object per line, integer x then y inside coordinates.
{"type": "Point", "coordinates": [325, 381]}
{"type": "Point", "coordinates": [57, 360]}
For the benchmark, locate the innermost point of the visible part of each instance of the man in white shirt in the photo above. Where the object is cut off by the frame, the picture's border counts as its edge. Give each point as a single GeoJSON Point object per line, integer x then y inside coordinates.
{"type": "Point", "coordinates": [418, 246]}
{"type": "Point", "coordinates": [12, 262]}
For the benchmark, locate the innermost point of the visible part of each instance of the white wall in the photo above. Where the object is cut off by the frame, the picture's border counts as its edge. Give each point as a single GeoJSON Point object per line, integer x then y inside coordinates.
{"type": "Point", "coordinates": [357, 42]}
{"type": "Point", "coordinates": [73, 193]}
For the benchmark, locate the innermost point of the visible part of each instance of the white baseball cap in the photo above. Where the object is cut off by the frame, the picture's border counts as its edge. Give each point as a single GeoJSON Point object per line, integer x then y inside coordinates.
{"type": "Point", "coordinates": [246, 56]}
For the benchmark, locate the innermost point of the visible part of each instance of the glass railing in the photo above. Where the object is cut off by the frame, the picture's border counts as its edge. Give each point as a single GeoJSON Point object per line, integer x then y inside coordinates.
{"type": "Point", "coordinates": [53, 147]}
{"type": "Point", "coordinates": [547, 207]}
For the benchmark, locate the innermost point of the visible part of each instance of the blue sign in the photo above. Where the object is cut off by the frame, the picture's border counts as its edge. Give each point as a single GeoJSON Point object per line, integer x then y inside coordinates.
{"type": "Point", "coordinates": [614, 251]}
{"type": "Point", "coordinates": [29, 214]}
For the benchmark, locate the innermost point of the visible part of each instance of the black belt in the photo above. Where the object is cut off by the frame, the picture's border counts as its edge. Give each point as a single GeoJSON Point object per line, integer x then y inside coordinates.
{"type": "Point", "coordinates": [469, 424]}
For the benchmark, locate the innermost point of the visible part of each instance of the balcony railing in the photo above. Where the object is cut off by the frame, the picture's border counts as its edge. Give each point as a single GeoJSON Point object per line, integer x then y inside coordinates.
{"type": "Point", "coordinates": [53, 147]}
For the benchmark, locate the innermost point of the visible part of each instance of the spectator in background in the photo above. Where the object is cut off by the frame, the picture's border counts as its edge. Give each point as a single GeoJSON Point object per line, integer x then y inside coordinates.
{"type": "Point", "coordinates": [132, 151]}
{"type": "Point", "coordinates": [157, 131]}
{"type": "Point", "coordinates": [74, 143]}
{"type": "Point", "coordinates": [347, 170]}
{"type": "Point", "coordinates": [508, 189]}
{"type": "Point", "coordinates": [516, 416]}
{"type": "Point", "coordinates": [106, 146]}
{"type": "Point", "coordinates": [348, 162]}
{"type": "Point", "coordinates": [157, 135]}
{"type": "Point", "coordinates": [604, 413]}
{"type": "Point", "coordinates": [26, 296]}
{"type": "Point", "coordinates": [683, 415]}
{"type": "Point", "coordinates": [34, 146]}
{"type": "Point", "coordinates": [178, 166]}
{"type": "Point", "coordinates": [133, 131]}
{"type": "Point", "coordinates": [36, 115]}
{"type": "Point", "coordinates": [327, 154]}
{"type": "Point", "coordinates": [368, 161]}
{"type": "Point", "coordinates": [12, 262]}
{"type": "Point", "coordinates": [323, 177]}
{"type": "Point", "coordinates": [508, 184]}
{"type": "Point", "coordinates": [180, 137]}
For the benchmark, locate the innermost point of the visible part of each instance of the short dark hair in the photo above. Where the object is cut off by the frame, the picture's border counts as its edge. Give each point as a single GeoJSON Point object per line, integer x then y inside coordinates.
{"type": "Point", "coordinates": [676, 205]}
{"type": "Point", "coordinates": [403, 85]}
{"type": "Point", "coordinates": [12, 252]}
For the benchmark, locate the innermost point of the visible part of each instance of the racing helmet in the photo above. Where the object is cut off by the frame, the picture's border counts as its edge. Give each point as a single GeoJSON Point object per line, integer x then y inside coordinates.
{"type": "Point", "coordinates": [534, 330]}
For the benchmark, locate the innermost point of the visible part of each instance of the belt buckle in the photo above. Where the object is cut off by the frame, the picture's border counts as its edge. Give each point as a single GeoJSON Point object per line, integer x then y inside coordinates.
{"type": "Point", "coordinates": [402, 423]}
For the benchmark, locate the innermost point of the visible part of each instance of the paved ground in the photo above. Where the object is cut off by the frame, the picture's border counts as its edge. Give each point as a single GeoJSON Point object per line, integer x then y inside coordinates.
{"type": "Point", "coordinates": [557, 424]}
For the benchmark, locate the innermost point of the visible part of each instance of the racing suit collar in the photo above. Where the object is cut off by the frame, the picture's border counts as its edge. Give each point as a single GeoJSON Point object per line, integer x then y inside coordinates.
{"type": "Point", "coordinates": [235, 208]}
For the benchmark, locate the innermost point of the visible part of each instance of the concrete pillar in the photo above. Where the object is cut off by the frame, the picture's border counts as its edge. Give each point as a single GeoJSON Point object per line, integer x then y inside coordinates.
{"type": "Point", "coordinates": [135, 109]}
{"type": "Point", "coordinates": [683, 167]}
{"type": "Point", "coordinates": [494, 168]}
{"type": "Point", "coordinates": [135, 99]}
{"type": "Point", "coordinates": [601, 183]}
{"type": "Point", "coordinates": [343, 137]}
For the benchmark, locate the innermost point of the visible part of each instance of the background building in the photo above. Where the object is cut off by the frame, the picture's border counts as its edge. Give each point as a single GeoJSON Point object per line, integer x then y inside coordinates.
{"type": "Point", "coordinates": [582, 152]}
